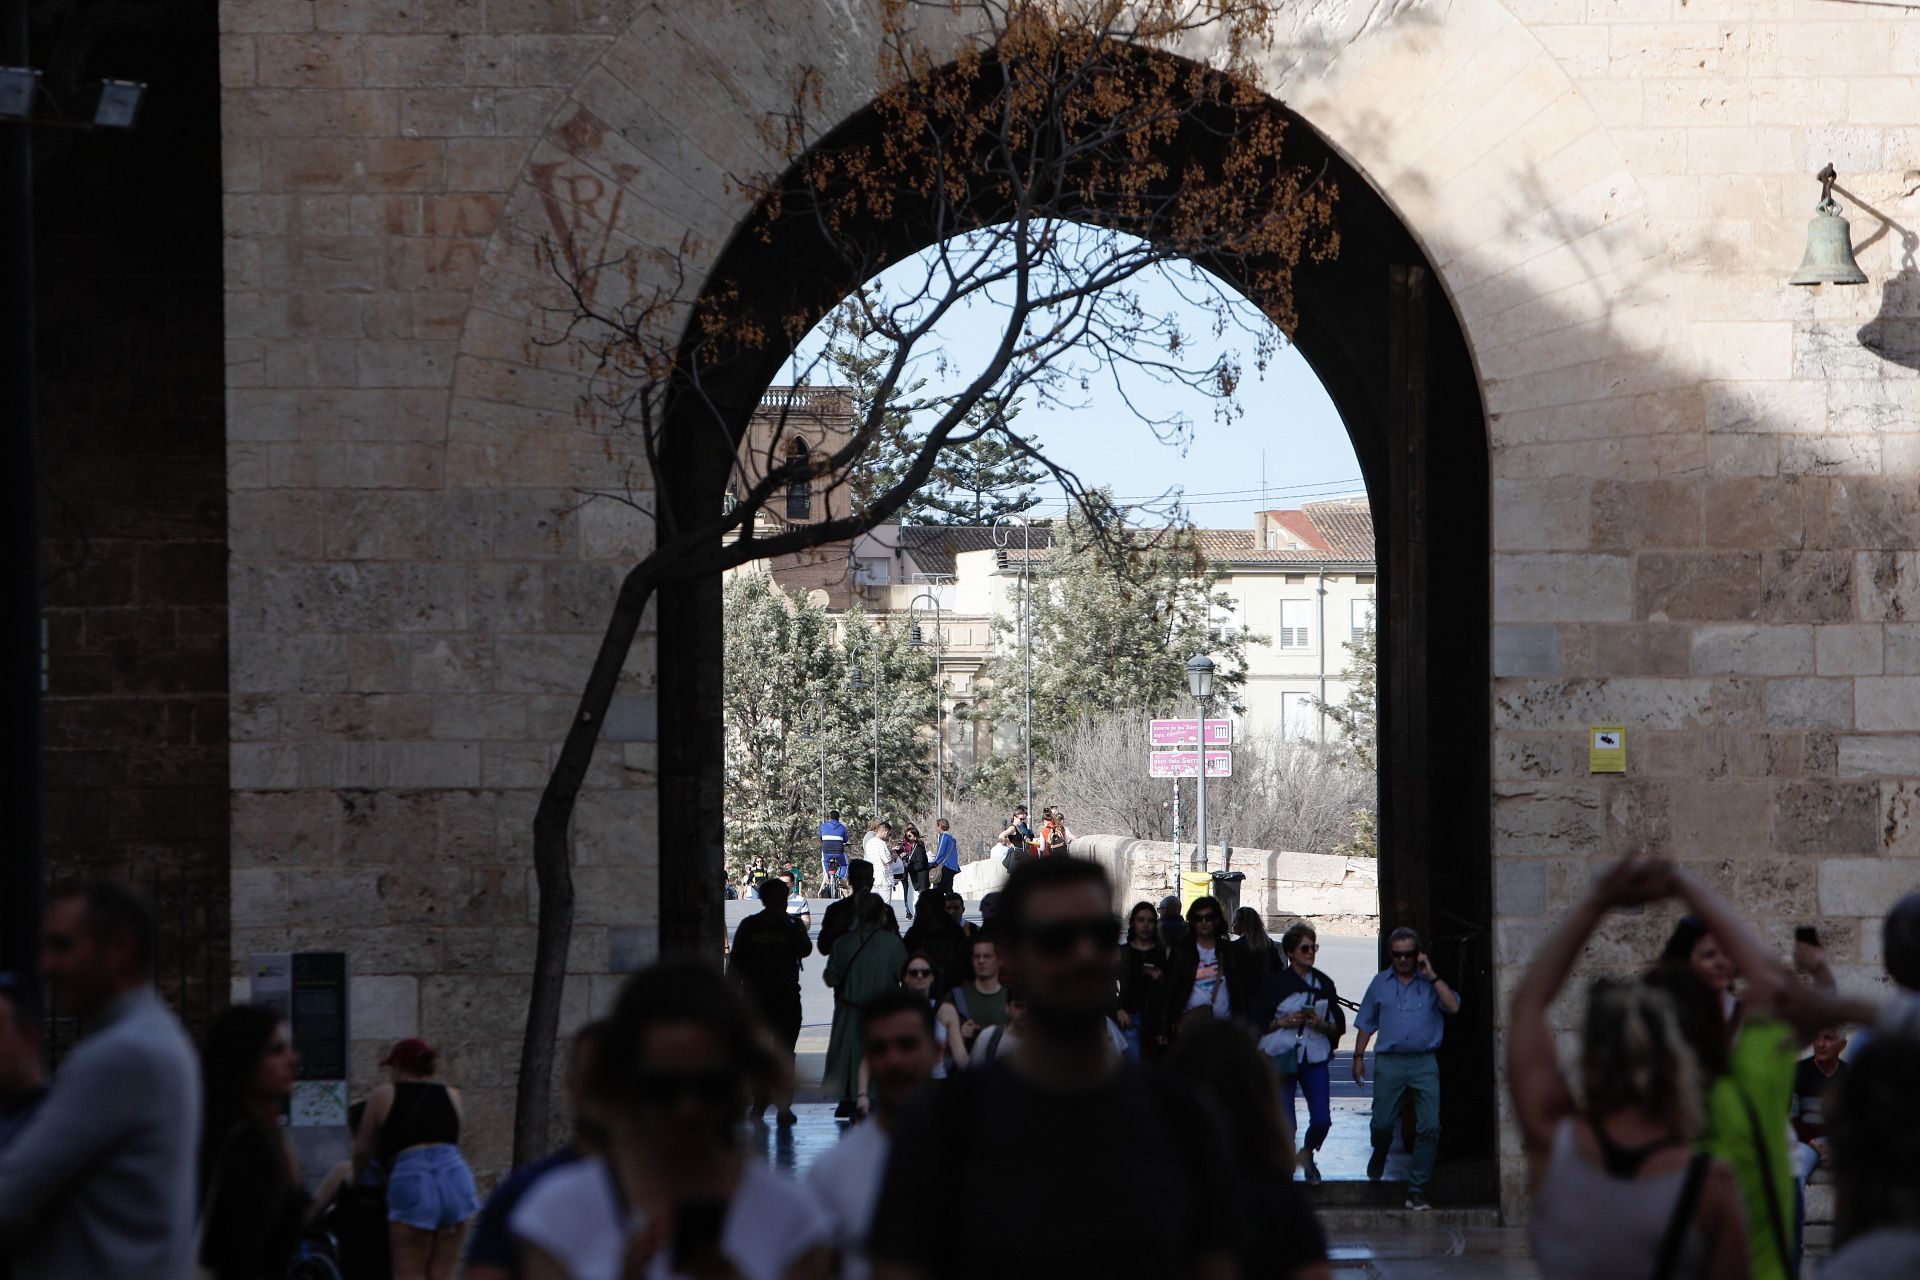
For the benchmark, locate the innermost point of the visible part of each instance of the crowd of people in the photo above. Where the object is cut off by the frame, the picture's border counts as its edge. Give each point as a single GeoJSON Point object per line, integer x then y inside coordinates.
{"type": "Point", "coordinates": [1052, 1036]}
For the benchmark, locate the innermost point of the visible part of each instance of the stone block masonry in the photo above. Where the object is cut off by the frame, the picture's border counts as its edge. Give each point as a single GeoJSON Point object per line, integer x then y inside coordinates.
{"type": "Point", "coordinates": [1701, 478]}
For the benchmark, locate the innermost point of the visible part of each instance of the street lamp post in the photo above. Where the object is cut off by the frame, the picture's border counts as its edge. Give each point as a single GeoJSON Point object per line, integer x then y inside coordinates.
{"type": "Point", "coordinates": [939, 698]}
{"type": "Point", "coordinates": [816, 733]}
{"type": "Point", "coordinates": [1002, 535]}
{"type": "Point", "coordinates": [861, 682]}
{"type": "Point", "coordinates": [1200, 684]}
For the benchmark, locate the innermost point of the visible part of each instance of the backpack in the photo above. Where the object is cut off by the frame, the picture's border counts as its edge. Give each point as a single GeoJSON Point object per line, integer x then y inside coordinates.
{"type": "Point", "coordinates": [1056, 838]}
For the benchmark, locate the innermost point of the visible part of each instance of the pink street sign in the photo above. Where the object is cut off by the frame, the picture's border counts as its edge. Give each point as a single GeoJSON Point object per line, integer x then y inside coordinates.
{"type": "Point", "coordinates": [1186, 764]}
{"type": "Point", "coordinates": [1186, 733]}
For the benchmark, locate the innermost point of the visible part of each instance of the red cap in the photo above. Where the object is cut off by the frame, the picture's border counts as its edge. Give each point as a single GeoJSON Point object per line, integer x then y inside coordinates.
{"type": "Point", "coordinates": [412, 1054]}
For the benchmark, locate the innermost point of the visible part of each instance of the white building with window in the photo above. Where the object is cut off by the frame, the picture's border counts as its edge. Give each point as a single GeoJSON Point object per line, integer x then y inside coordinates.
{"type": "Point", "coordinates": [1303, 577]}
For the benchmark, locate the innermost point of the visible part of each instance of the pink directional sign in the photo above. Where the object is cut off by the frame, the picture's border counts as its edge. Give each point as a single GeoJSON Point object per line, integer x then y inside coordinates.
{"type": "Point", "coordinates": [1186, 733]}
{"type": "Point", "coordinates": [1186, 764]}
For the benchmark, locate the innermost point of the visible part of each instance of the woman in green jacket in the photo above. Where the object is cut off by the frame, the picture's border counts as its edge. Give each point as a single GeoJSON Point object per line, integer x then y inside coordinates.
{"type": "Point", "coordinates": [862, 964]}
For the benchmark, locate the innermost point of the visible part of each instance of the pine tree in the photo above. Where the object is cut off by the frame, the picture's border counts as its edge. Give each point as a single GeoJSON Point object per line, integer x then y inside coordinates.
{"type": "Point", "coordinates": [976, 480]}
{"type": "Point", "coordinates": [1357, 717]}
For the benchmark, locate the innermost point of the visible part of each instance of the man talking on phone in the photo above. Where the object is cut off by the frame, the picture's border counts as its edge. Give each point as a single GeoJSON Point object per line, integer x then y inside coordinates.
{"type": "Point", "coordinates": [1406, 1007]}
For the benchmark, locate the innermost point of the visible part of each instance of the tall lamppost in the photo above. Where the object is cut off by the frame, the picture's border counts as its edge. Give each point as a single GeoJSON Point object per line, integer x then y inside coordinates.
{"type": "Point", "coordinates": [815, 731]}
{"type": "Point", "coordinates": [1002, 535]}
{"type": "Point", "coordinates": [939, 697]}
{"type": "Point", "coordinates": [1200, 684]}
{"type": "Point", "coordinates": [861, 682]}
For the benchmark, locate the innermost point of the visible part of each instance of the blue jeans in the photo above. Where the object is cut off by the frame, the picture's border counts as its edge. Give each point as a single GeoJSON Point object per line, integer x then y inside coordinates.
{"type": "Point", "coordinates": [1395, 1075]}
{"type": "Point", "coordinates": [1131, 1033]}
{"type": "Point", "coordinates": [1315, 1081]}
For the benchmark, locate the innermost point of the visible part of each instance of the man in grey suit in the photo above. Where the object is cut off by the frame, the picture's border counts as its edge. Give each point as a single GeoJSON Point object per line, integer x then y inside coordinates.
{"type": "Point", "coordinates": [101, 1182]}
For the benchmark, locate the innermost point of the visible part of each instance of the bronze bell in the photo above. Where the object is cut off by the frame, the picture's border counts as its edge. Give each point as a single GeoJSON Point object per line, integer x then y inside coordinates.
{"type": "Point", "coordinates": [1829, 258]}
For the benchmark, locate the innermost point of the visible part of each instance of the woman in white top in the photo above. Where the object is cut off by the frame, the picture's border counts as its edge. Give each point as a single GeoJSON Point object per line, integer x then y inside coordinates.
{"type": "Point", "coordinates": [674, 1196]}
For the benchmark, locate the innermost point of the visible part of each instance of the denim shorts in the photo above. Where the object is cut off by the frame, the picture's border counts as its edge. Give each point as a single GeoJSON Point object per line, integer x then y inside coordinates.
{"type": "Point", "coordinates": [431, 1188]}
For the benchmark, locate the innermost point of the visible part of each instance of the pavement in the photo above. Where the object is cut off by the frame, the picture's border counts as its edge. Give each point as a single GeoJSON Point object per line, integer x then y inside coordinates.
{"type": "Point", "coordinates": [1366, 1240]}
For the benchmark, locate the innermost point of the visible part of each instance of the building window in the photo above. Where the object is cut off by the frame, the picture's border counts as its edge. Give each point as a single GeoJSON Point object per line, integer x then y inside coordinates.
{"type": "Point", "coordinates": [1364, 579]}
{"type": "Point", "coordinates": [1296, 579]}
{"type": "Point", "coordinates": [1224, 616]}
{"type": "Point", "coordinates": [1299, 718]}
{"type": "Point", "coordinates": [800, 483]}
{"type": "Point", "coordinates": [1361, 618]}
{"type": "Point", "coordinates": [1296, 624]}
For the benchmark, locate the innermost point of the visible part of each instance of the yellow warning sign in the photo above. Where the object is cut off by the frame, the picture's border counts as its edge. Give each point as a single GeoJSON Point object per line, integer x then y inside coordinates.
{"type": "Point", "coordinates": [1607, 752]}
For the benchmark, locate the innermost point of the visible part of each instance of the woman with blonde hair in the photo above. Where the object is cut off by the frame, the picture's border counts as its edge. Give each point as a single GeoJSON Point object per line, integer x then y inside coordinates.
{"type": "Point", "coordinates": [1617, 1187]}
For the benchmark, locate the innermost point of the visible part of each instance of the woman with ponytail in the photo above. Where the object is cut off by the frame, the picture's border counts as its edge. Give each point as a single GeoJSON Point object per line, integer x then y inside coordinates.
{"type": "Point", "coordinates": [1617, 1187]}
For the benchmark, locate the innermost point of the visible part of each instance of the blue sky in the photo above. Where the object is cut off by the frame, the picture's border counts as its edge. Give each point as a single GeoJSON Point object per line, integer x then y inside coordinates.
{"type": "Point", "coordinates": [1288, 431]}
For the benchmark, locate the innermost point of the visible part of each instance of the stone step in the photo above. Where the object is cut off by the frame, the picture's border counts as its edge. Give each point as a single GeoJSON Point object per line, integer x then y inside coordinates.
{"type": "Point", "coordinates": [1347, 1220]}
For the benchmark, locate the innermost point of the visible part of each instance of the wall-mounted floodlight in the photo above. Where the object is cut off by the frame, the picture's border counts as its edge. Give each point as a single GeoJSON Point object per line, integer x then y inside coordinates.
{"type": "Point", "coordinates": [118, 104]}
{"type": "Point", "coordinates": [19, 86]}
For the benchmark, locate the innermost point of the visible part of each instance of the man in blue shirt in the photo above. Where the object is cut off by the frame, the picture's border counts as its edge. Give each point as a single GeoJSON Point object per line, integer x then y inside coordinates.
{"type": "Point", "coordinates": [833, 853]}
{"type": "Point", "coordinates": [1405, 1008]}
{"type": "Point", "coordinates": [946, 856]}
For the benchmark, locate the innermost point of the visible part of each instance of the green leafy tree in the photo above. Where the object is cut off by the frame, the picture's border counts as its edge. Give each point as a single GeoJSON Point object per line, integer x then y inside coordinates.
{"type": "Point", "coordinates": [1114, 620]}
{"type": "Point", "coordinates": [981, 474]}
{"type": "Point", "coordinates": [797, 722]}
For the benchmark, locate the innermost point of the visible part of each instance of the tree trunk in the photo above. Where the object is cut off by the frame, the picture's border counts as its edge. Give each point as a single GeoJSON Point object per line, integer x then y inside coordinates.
{"type": "Point", "coordinates": [553, 868]}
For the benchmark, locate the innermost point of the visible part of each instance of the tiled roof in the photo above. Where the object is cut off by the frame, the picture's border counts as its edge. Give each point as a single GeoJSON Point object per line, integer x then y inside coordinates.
{"type": "Point", "coordinates": [1347, 527]}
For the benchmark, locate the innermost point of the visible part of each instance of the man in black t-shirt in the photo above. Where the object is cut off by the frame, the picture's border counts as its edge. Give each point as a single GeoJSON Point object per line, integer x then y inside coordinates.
{"type": "Point", "coordinates": [1811, 1080]}
{"type": "Point", "coordinates": [765, 961]}
{"type": "Point", "coordinates": [1059, 1100]}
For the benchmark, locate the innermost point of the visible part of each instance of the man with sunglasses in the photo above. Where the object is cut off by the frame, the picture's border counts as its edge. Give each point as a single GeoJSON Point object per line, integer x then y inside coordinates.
{"type": "Point", "coordinates": [1406, 1007]}
{"type": "Point", "coordinates": [897, 1040]}
{"type": "Point", "coordinates": [1062, 1098]}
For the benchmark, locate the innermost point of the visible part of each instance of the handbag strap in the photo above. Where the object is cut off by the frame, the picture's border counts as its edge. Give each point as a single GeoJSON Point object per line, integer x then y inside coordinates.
{"type": "Point", "coordinates": [1684, 1209]}
{"type": "Point", "coordinates": [1774, 1223]}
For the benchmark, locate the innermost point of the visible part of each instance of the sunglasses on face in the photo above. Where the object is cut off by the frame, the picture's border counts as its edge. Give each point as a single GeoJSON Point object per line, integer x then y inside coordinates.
{"type": "Point", "coordinates": [1402, 955]}
{"type": "Point", "coordinates": [1058, 937]}
{"type": "Point", "coordinates": [715, 1088]}
{"type": "Point", "coordinates": [1308, 946]}
{"type": "Point", "coordinates": [1206, 917]}
{"type": "Point", "coordinates": [919, 973]}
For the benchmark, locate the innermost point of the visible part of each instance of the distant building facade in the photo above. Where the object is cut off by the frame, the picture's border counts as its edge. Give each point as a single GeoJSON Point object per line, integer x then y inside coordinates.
{"type": "Point", "coordinates": [1302, 577]}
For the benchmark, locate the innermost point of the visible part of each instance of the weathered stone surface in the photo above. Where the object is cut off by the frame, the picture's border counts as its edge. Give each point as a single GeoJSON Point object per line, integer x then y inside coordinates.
{"type": "Point", "coordinates": [1752, 650]}
{"type": "Point", "coordinates": [384, 1007]}
{"type": "Point", "coordinates": [1519, 887]}
{"type": "Point", "coordinates": [1900, 817]}
{"type": "Point", "coordinates": [1887, 585]}
{"type": "Point", "coordinates": [1865, 886]}
{"type": "Point", "coordinates": [1810, 704]}
{"type": "Point", "coordinates": [1756, 511]}
{"type": "Point", "coordinates": [1698, 586]}
{"type": "Point", "coordinates": [1808, 586]}
{"type": "Point", "coordinates": [1542, 819]}
{"type": "Point", "coordinates": [1526, 651]}
{"type": "Point", "coordinates": [1721, 817]}
{"type": "Point", "coordinates": [1848, 650]}
{"type": "Point", "coordinates": [1629, 649]}
{"type": "Point", "coordinates": [1633, 514]}
{"type": "Point", "coordinates": [1878, 754]}
{"type": "Point", "coordinates": [1826, 817]}
{"type": "Point", "coordinates": [1887, 702]}
{"type": "Point", "coordinates": [1644, 703]}
{"type": "Point", "coordinates": [1562, 588]}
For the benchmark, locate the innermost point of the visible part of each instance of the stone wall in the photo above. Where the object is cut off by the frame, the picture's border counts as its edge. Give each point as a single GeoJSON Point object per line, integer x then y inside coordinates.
{"type": "Point", "coordinates": [1340, 895]}
{"type": "Point", "coordinates": [128, 310]}
{"type": "Point", "coordinates": [1703, 479]}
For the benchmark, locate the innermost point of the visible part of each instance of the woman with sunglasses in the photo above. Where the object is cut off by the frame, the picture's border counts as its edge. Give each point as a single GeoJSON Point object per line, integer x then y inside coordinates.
{"type": "Point", "coordinates": [675, 1195]}
{"type": "Point", "coordinates": [1300, 1012]}
{"type": "Point", "coordinates": [921, 976]}
{"type": "Point", "coordinates": [1203, 978]}
{"type": "Point", "coordinates": [1143, 960]}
